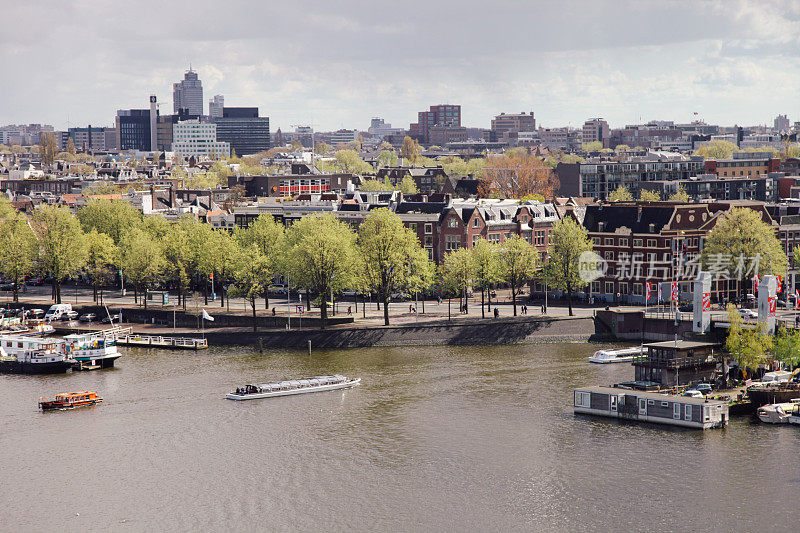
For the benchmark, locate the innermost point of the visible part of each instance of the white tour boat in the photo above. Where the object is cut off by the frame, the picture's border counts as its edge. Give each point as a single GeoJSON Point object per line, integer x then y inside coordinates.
{"type": "Point", "coordinates": [293, 386]}
{"type": "Point", "coordinates": [623, 355]}
{"type": "Point", "coordinates": [777, 413]}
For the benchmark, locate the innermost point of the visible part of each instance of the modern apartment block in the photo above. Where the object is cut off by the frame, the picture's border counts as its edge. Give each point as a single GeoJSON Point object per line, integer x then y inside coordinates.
{"type": "Point", "coordinates": [599, 177]}
{"type": "Point", "coordinates": [507, 124]}
{"type": "Point", "coordinates": [196, 138]}
{"type": "Point", "coordinates": [596, 130]}
{"type": "Point", "coordinates": [343, 136]}
{"type": "Point", "coordinates": [744, 164]}
{"type": "Point", "coordinates": [188, 94]}
{"type": "Point", "coordinates": [439, 115]}
{"type": "Point", "coordinates": [133, 129]}
{"type": "Point", "coordinates": [243, 129]}
{"type": "Point", "coordinates": [87, 138]}
{"type": "Point", "coordinates": [781, 123]}
{"type": "Point", "coordinates": [710, 187]}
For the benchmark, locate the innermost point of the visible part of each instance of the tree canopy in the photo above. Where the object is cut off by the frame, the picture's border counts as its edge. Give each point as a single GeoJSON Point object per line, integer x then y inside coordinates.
{"type": "Point", "coordinates": [568, 240]}
{"type": "Point", "coordinates": [516, 174]}
{"type": "Point", "coordinates": [620, 194]}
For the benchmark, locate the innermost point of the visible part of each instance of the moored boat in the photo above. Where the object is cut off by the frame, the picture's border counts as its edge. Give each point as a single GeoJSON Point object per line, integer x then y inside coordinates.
{"type": "Point", "coordinates": [37, 326]}
{"type": "Point", "coordinates": [32, 355]}
{"type": "Point", "coordinates": [95, 350]}
{"type": "Point", "coordinates": [772, 393]}
{"type": "Point", "coordinates": [293, 386]}
{"type": "Point", "coordinates": [623, 355]}
{"type": "Point", "coordinates": [70, 400]}
{"type": "Point", "coordinates": [777, 413]}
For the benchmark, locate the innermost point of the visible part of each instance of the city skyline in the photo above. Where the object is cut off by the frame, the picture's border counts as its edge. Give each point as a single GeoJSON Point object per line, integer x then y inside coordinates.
{"type": "Point", "coordinates": [344, 65]}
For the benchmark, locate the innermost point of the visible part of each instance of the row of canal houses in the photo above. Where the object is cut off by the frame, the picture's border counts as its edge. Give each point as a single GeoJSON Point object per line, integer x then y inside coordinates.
{"type": "Point", "coordinates": [640, 242]}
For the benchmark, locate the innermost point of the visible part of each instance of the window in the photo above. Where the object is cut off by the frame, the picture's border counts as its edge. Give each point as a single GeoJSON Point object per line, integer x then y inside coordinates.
{"type": "Point", "coordinates": [637, 243]}
{"type": "Point", "coordinates": [609, 287]}
{"type": "Point", "coordinates": [582, 399]}
{"type": "Point", "coordinates": [452, 242]}
{"type": "Point", "coordinates": [596, 240]}
{"type": "Point", "coordinates": [476, 223]}
{"type": "Point", "coordinates": [651, 243]}
{"type": "Point", "coordinates": [687, 412]}
{"type": "Point", "coordinates": [493, 237]}
{"type": "Point", "coordinates": [608, 256]}
{"type": "Point", "coordinates": [623, 242]}
{"type": "Point", "coordinates": [452, 222]}
{"type": "Point", "coordinates": [609, 241]}
{"type": "Point", "coordinates": [540, 236]}
{"type": "Point", "coordinates": [428, 241]}
{"type": "Point", "coordinates": [475, 240]}
{"type": "Point", "coordinates": [595, 286]}
{"type": "Point", "coordinates": [638, 289]}
{"type": "Point", "coordinates": [676, 411]}
{"type": "Point", "coordinates": [428, 228]}
{"type": "Point", "coordinates": [623, 288]}
{"type": "Point", "coordinates": [413, 227]}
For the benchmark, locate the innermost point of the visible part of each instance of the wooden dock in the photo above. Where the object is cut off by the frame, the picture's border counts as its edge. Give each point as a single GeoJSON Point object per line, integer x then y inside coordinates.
{"type": "Point", "coordinates": [158, 341]}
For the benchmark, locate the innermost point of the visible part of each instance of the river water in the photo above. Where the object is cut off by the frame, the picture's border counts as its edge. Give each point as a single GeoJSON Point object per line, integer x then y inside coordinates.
{"type": "Point", "coordinates": [435, 438]}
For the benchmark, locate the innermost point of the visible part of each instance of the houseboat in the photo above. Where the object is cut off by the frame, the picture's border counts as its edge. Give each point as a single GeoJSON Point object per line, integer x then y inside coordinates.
{"type": "Point", "coordinates": [96, 350]}
{"type": "Point", "coordinates": [653, 407]}
{"type": "Point", "coordinates": [675, 363]}
{"type": "Point", "coordinates": [70, 400]}
{"type": "Point", "coordinates": [623, 355]}
{"type": "Point", "coordinates": [32, 355]}
{"type": "Point", "coordinates": [295, 386]}
{"type": "Point", "coordinates": [774, 392]}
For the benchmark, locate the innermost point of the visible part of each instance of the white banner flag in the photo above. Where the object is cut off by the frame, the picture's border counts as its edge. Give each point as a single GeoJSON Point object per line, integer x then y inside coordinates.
{"type": "Point", "coordinates": [208, 317]}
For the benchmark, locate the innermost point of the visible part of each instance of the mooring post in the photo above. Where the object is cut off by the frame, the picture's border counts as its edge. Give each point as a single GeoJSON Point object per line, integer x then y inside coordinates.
{"type": "Point", "coordinates": [309, 347]}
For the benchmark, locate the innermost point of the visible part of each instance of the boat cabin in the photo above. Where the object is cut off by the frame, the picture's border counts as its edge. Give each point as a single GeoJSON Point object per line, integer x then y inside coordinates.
{"type": "Point", "coordinates": [672, 363]}
{"type": "Point", "coordinates": [32, 348]}
{"type": "Point", "coordinates": [655, 407]}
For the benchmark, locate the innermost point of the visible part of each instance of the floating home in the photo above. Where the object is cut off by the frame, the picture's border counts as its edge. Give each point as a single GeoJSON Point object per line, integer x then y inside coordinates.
{"type": "Point", "coordinates": [652, 407]}
{"type": "Point", "coordinates": [673, 363]}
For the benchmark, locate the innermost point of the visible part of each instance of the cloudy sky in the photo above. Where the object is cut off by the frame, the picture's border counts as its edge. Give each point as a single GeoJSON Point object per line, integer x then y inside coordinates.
{"type": "Point", "coordinates": [336, 64]}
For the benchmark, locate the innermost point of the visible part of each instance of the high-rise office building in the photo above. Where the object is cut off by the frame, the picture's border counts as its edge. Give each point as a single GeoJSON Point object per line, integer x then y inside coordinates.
{"type": "Point", "coordinates": [215, 106]}
{"type": "Point", "coordinates": [439, 115]}
{"type": "Point", "coordinates": [192, 137]}
{"type": "Point", "coordinates": [133, 129]}
{"type": "Point", "coordinates": [596, 130]}
{"type": "Point", "coordinates": [188, 94]}
{"type": "Point", "coordinates": [504, 123]}
{"type": "Point", "coordinates": [243, 129]}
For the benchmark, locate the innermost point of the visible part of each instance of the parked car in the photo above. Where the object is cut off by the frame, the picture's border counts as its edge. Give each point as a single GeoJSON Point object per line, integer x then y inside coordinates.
{"type": "Point", "coordinates": [37, 313]}
{"type": "Point", "coordinates": [704, 388]}
{"type": "Point", "coordinates": [691, 393]}
{"type": "Point", "coordinates": [748, 313]}
{"type": "Point", "coordinates": [110, 319]}
{"type": "Point", "coordinates": [88, 317]}
{"type": "Point", "coordinates": [69, 315]}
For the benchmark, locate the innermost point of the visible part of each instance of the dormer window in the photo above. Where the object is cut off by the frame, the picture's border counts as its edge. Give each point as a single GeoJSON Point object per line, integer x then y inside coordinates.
{"type": "Point", "coordinates": [652, 228]}
{"type": "Point", "coordinates": [476, 223]}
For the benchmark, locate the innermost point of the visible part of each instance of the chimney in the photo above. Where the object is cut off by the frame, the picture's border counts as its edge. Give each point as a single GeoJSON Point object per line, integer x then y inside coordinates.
{"type": "Point", "coordinates": [172, 202]}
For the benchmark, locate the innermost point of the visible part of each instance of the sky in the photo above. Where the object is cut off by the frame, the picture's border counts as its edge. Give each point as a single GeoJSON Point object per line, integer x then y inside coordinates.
{"type": "Point", "coordinates": [337, 64]}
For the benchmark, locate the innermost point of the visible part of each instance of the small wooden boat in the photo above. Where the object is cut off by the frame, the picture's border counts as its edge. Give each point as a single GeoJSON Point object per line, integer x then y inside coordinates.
{"type": "Point", "coordinates": [293, 386]}
{"type": "Point", "coordinates": [70, 400]}
{"type": "Point", "coordinates": [623, 355]}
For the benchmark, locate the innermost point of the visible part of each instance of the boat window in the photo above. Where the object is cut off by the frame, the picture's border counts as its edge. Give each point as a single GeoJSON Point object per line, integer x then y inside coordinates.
{"type": "Point", "coordinates": [651, 402]}
{"type": "Point", "coordinates": [664, 404]}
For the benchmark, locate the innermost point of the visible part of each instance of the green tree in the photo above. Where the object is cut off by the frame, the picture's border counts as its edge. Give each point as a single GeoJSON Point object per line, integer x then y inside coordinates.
{"type": "Point", "coordinates": [112, 217]}
{"type": "Point", "coordinates": [786, 347]}
{"type": "Point", "coordinates": [322, 148]}
{"type": "Point", "coordinates": [387, 158]}
{"type": "Point", "coordinates": [18, 249]}
{"type": "Point", "coordinates": [456, 273]}
{"type": "Point", "coordinates": [408, 186]}
{"type": "Point", "coordinates": [71, 147]}
{"type": "Point", "coordinates": [520, 262]}
{"type": "Point", "coordinates": [62, 246]}
{"type": "Point", "coordinates": [744, 244]}
{"type": "Point", "coordinates": [568, 240]}
{"type": "Point", "coordinates": [250, 277]}
{"type": "Point", "coordinates": [620, 194]}
{"type": "Point", "coordinates": [680, 196]}
{"type": "Point", "coordinates": [142, 261]}
{"type": "Point", "coordinates": [646, 195]}
{"type": "Point", "coordinates": [374, 185]}
{"type": "Point", "coordinates": [594, 146]}
{"type": "Point", "coordinates": [48, 148]}
{"type": "Point", "coordinates": [349, 162]}
{"type": "Point", "coordinates": [269, 237]}
{"type": "Point", "coordinates": [392, 257]}
{"type": "Point", "coordinates": [100, 258]}
{"type": "Point", "coordinates": [622, 148]}
{"type": "Point", "coordinates": [717, 150]}
{"type": "Point", "coordinates": [749, 347]}
{"type": "Point", "coordinates": [486, 269]}
{"type": "Point", "coordinates": [411, 150]}
{"type": "Point", "coordinates": [322, 257]}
